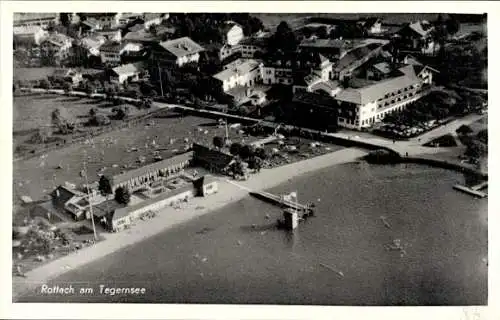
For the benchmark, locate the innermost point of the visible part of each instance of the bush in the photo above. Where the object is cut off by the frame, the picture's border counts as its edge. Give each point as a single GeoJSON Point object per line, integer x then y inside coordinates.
{"type": "Point", "coordinates": [122, 195]}
{"type": "Point", "coordinates": [235, 148]}
{"type": "Point", "coordinates": [218, 142]}
{"type": "Point", "coordinates": [464, 130]}
{"type": "Point", "coordinates": [246, 152]}
{"type": "Point", "coordinates": [483, 136]}
{"type": "Point", "coordinates": [444, 141]}
{"type": "Point", "coordinates": [476, 149]}
{"type": "Point", "coordinates": [261, 153]}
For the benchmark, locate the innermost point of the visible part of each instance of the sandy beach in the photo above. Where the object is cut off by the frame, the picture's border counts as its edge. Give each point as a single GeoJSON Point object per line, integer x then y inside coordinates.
{"type": "Point", "coordinates": [229, 192]}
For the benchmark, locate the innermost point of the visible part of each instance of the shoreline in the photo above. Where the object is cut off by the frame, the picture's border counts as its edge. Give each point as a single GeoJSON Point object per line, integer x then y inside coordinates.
{"type": "Point", "coordinates": [169, 217]}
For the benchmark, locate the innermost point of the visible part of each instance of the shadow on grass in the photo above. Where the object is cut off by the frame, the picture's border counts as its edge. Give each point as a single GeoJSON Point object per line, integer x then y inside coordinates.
{"type": "Point", "coordinates": [46, 97]}
{"type": "Point", "coordinates": [169, 116]}
{"type": "Point", "coordinates": [72, 99]}
{"type": "Point", "coordinates": [208, 124]}
{"type": "Point", "coordinates": [24, 132]}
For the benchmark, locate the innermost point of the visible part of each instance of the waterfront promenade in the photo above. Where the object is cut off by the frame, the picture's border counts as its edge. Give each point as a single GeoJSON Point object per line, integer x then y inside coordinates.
{"type": "Point", "coordinates": [170, 217]}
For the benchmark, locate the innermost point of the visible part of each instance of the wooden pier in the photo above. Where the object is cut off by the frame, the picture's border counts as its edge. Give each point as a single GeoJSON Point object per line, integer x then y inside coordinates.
{"type": "Point", "coordinates": [277, 200]}
{"type": "Point", "coordinates": [474, 190]}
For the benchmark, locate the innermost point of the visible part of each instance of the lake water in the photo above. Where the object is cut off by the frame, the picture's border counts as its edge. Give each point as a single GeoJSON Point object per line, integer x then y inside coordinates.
{"type": "Point", "coordinates": [221, 258]}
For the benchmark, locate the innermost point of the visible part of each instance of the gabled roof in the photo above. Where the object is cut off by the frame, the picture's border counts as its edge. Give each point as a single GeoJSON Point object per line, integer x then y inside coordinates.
{"type": "Point", "coordinates": [132, 174]}
{"type": "Point", "coordinates": [107, 207]}
{"type": "Point", "coordinates": [386, 54]}
{"type": "Point", "coordinates": [215, 157]}
{"type": "Point", "coordinates": [129, 68]}
{"type": "Point", "coordinates": [26, 30]}
{"type": "Point", "coordinates": [325, 85]}
{"type": "Point", "coordinates": [181, 47]}
{"type": "Point", "coordinates": [355, 55]}
{"type": "Point", "coordinates": [421, 68]}
{"type": "Point", "coordinates": [63, 194]}
{"type": "Point", "coordinates": [382, 67]}
{"type": "Point", "coordinates": [369, 22]}
{"type": "Point", "coordinates": [136, 27]}
{"type": "Point", "coordinates": [237, 69]}
{"type": "Point", "coordinates": [64, 72]}
{"type": "Point", "coordinates": [111, 46]}
{"type": "Point", "coordinates": [92, 42]}
{"type": "Point", "coordinates": [376, 91]}
{"type": "Point", "coordinates": [144, 35]}
{"type": "Point", "coordinates": [91, 23]}
{"type": "Point", "coordinates": [422, 27]}
{"type": "Point", "coordinates": [57, 38]}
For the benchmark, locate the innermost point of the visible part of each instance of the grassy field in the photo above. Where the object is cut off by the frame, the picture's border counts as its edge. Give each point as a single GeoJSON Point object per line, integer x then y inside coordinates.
{"type": "Point", "coordinates": [29, 74]}
{"type": "Point", "coordinates": [33, 111]}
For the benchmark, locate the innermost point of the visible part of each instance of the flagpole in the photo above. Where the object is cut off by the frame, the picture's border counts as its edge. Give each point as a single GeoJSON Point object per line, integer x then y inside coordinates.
{"type": "Point", "coordinates": [88, 194]}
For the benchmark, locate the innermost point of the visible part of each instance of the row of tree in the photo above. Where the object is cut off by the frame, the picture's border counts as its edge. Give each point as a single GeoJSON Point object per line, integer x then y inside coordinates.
{"type": "Point", "coordinates": [207, 27]}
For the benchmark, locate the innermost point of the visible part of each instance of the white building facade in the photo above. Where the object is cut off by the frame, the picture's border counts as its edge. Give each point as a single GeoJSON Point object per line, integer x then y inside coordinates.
{"type": "Point", "coordinates": [245, 74]}
{"type": "Point", "coordinates": [361, 108]}
{"type": "Point", "coordinates": [234, 35]}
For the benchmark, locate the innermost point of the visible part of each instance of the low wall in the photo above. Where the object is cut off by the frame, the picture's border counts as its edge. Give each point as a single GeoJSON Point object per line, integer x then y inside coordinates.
{"type": "Point", "coordinates": [446, 165]}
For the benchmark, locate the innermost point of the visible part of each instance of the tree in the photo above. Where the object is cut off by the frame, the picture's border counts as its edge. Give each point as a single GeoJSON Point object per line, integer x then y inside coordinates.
{"type": "Point", "coordinates": [235, 148]}
{"type": "Point", "coordinates": [255, 163]}
{"type": "Point", "coordinates": [238, 168]}
{"type": "Point", "coordinates": [246, 152]}
{"type": "Point", "coordinates": [105, 187]}
{"type": "Point", "coordinates": [146, 103]}
{"type": "Point", "coordinates": [322, 33]}
{"type": "Point", "coordinates": [89, 88]}
{"type": "Point", "coordinates": [56, 118]}
{"type": "Point", "coordinates": [307, 32]}
{"type": "Point", "coordinates": [153, 29]}
{"type": "Point", "coordinates": [67, 87]}
{"type": "Point", "coordinates": [122, 195]}
{"type": "Point", "coordinates": [476, 149]}
{"type": "Point", "coordinates": [483, 136]}
{"type": "Point", "coordinates": [261, 153]}
{"type": "Point", "coordinates": [283, 39]}
{"type": "Point", "coordinates": [464, 130]}
{"type": "Point", "coordinates": [45, 84]}
{"type": "Point", "coordinates": [99, 120]}
{"type": "Point", "coordinates": [218, 142]}
{"type": "Point", "coordinates": [452, 25]}
{"type": "Point", "coordinates": [120, 113]}
{"type": "Point", "coordinates": [64, 18]}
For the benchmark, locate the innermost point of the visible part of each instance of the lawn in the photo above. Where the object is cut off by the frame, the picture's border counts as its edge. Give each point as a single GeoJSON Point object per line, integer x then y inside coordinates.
{"type": "Point", "coordinates": [33, 111]}
{"type": "Point", "coordinates": [30, 74]}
